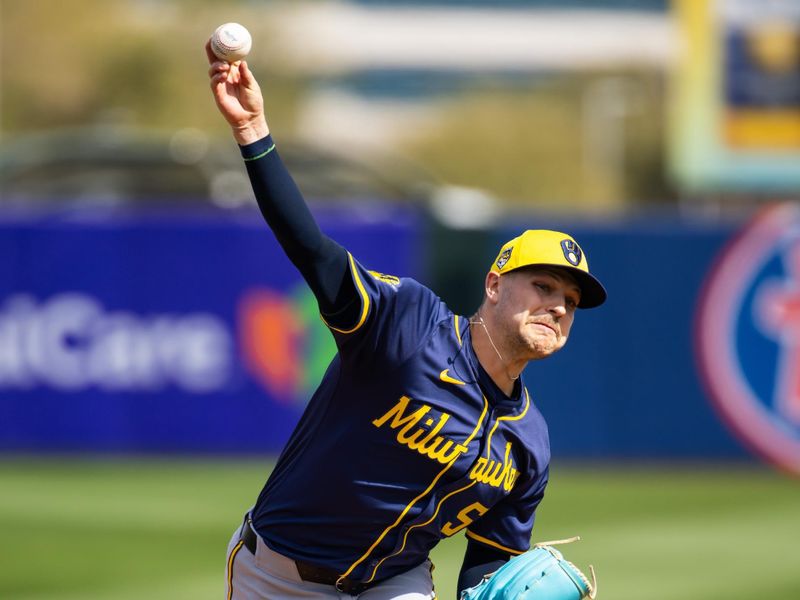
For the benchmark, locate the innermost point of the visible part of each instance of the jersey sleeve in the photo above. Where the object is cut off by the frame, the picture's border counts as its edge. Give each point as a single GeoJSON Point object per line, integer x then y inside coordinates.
{"type": "Point", "coordinates": [394, 315]}
{"type": "Point", "coordinates": [321, 261]}
{"type": "Point", "coordinates": [509, 523]}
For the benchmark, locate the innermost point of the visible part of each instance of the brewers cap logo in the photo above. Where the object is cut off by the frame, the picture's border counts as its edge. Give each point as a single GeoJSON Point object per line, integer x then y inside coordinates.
{"type": "Point", "coordinates": [572, 252]}
{"type": "Point", "coordinates": [503, 258]}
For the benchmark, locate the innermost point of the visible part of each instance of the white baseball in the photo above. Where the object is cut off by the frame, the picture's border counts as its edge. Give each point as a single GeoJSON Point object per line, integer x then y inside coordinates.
{"type": "Point", "coordinates": [231, 42]}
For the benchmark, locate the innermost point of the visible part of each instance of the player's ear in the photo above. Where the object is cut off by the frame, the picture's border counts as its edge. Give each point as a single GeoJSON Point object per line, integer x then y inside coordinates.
{"type": "Point", "coordinates": [491, 286]}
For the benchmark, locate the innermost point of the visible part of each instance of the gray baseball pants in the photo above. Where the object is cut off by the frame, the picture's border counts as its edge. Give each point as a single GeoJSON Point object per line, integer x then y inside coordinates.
{"type": "Point", "coordinates": [272, 576]}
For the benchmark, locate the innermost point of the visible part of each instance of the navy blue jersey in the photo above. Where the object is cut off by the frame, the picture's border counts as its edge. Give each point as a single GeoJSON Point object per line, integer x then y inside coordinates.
{"type": "Point", "coordinates": [407, 440]}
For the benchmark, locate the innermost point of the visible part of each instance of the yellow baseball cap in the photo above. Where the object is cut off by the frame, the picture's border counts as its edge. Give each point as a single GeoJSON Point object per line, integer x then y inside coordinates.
{"type": "Point", "coordinates": [542, 247]}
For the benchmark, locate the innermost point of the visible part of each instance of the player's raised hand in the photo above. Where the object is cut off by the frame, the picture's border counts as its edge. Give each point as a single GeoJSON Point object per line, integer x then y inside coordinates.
{"type": "Point", "coordinates": [238, 97]}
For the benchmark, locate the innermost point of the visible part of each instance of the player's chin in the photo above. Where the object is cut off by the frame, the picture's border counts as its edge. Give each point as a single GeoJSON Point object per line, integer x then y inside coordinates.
{"type": "Point", "coordinates": [544, 347]}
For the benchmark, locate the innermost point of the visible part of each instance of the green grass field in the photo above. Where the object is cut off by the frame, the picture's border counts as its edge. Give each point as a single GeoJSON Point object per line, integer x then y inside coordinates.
{"type": "Point", "coordinates": [124, 529]}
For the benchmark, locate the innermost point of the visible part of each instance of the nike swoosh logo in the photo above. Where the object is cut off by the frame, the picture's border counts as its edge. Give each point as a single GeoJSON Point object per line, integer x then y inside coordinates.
{"type": "Point", "coordinates": [446, 378]}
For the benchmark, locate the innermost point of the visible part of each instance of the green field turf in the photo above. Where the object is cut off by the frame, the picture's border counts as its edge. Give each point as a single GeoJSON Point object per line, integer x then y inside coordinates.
{"type": "Point", "coordinates": [113, 530]}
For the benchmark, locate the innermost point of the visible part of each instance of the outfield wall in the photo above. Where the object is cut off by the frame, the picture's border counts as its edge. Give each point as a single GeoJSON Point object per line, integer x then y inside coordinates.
{"type": "Point", "coordinates": [159, 333]}
{"type": "Point", "coordinates": [162, 333]}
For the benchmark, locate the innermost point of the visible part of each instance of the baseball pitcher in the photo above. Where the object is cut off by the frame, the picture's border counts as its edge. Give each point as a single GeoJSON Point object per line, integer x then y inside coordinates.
{"type": "Point", "coordinates": [422, 426]}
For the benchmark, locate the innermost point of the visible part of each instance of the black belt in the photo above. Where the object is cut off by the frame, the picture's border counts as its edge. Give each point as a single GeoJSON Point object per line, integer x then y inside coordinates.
{"type": "Point", "coordinates": [307, 571]}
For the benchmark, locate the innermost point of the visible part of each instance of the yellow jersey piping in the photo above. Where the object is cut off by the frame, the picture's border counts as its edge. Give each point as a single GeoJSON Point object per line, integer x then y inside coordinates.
{"type": "Point", "coordinates": [488, 455]}
{"type": "Point", "coordinates": [458, 332]}
{"type": "Point", "coordinates": [524, 410]}
{"type": "Point", "coordinates": [405, 537]}
{"type": "Point", "coordinates": [489, 542]}
{"type": "Point", "coordinates": [364, 300]}
{"type": "Point", "coordinates": [419, 497]}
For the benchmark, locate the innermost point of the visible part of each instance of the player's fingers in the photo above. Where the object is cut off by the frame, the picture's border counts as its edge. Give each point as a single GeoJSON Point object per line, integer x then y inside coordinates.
{"type": "Point", "coordinates": [247, 76]}
{"type": "Point", "coordinates": [212, 58]}
{"type": "Point", "coordinates": [248, 79]}
{"type": "Point", "coordinates": [220, 79]}
{"type": "Point", "coordinates": [233, 75]}
{"type": "Point", "coordinates": [218, 67]}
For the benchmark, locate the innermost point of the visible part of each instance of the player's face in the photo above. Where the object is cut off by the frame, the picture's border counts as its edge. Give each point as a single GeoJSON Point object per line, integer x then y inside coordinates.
{"type": "Point", "coordinates": [535, 309]}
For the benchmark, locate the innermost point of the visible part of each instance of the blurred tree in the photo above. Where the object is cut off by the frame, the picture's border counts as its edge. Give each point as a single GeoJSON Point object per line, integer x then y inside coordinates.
{"type": "Point", "coordinates": [140, 61]}
{"type": "Point", "coordinates": [567, 141]}
{"type": "Point", "coordinates": [591, 142]}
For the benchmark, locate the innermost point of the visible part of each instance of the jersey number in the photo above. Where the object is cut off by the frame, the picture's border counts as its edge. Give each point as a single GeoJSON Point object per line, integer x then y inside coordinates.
{"type": "Point", "coordinates": [465, 518]}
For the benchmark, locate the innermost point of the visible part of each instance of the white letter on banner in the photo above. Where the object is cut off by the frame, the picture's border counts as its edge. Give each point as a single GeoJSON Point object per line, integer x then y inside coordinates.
{"type": "Point", "coordinates": [122, 355]}
{"type": "Point", "coordinates": [204, 360]}
{"type": "Point", "coordinates": [15, 319]}
{"type": "Point", "coordinates": [70, 343]}
{"type": "Point", "coordinates": [63, 335]}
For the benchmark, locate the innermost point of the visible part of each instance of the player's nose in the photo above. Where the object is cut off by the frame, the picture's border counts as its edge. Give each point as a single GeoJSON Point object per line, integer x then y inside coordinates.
{"type": "Point", "coordinates": [558, 308]}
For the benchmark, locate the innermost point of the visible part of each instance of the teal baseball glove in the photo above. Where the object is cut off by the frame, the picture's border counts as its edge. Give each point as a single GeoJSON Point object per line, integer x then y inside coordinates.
{"type": "Point", "coordinates": [541, 573]}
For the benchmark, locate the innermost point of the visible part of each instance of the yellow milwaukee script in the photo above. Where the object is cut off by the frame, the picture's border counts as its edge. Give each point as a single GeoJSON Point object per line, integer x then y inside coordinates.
{"type": "Point", "coordinates": [425, 441]}
{"type": "Point", "coordinates": [424, 438]}
{"type": "Point", "coordinates": [493, 473]}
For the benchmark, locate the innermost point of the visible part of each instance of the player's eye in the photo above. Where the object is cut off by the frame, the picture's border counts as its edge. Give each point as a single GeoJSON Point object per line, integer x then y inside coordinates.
{"type": "Point", "coordinates": [572, 302]}
{"type": "Point", "coordinates": [543, 286]}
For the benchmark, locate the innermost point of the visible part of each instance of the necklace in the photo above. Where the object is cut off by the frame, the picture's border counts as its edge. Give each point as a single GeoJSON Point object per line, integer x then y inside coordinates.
{"type": "Point", "coordinates": [502, 361]}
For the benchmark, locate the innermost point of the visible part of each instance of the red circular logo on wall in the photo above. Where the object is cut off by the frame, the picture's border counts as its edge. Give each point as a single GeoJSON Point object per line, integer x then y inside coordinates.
{"type": "Point", "coordinates": [748, 335]}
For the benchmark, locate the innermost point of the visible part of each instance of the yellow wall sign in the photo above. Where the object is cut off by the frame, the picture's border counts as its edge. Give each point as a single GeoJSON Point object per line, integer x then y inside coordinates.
{"type": "Point", "coordinates": [736, 95]}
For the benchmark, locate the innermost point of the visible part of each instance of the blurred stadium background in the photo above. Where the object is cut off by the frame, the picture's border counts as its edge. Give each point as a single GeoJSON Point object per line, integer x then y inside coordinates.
{"type": "Point", "coordinates": [156, 348]}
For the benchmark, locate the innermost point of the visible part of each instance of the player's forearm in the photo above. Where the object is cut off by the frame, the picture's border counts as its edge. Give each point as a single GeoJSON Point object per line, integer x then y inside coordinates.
{"type": "Point", "coordinates": [321, 261]}
{"type": "Point", "coordinates": [472, 576]}
{"type": "Point", "coordinates": [280, 200]}
{"type": "Point", "coordinates": [479, 560]}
